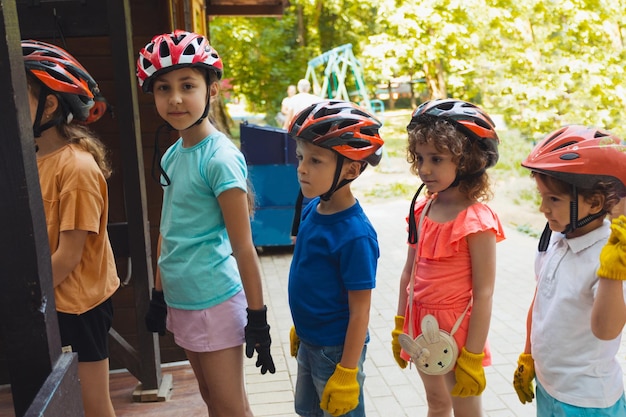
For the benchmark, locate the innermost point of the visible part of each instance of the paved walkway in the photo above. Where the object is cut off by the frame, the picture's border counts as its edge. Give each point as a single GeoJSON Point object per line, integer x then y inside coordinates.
{"type": "Point", "coordinates": [389, 390]}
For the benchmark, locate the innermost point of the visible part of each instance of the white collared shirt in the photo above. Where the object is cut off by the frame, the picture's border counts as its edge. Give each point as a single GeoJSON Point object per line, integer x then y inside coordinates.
{"type": "Point", "coordinates": [572, 364]}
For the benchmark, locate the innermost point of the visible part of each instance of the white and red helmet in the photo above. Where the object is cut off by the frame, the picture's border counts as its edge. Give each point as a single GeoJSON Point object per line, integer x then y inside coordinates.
{"type": "Point", "coordinates": [174, 50]}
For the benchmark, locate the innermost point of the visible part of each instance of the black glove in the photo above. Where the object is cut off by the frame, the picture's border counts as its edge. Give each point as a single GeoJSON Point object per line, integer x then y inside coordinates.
{"type": "Point", "coordinates": [258, 337]}
{"type": "Point", "coordinates": [157, 312]}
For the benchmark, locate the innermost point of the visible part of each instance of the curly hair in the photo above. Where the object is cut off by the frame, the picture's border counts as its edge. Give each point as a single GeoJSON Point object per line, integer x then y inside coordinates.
{"type": "Point", "coordinates": [471, 160]}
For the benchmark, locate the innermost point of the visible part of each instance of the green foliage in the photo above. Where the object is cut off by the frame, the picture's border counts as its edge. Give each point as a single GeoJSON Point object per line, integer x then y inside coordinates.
{"type": "Point", "coordinates": [541, 64]}
{"type": "Point", "coordinates": [394, 133]}
{"type": "Point", "coordinates": [386, 191]}
{"type": "Point", "coordinates": [512, 150]}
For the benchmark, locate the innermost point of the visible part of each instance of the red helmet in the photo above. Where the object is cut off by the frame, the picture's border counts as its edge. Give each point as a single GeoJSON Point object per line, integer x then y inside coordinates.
{"type": "Point", "coordinates": [581, 156]}
{"type": "Point", "coordinates": [340, 126]}
{"type": "Point", "coordinates": [175, 50]}
{"type": "Point", "coordinates": [61, 73]}
{"type": "Point", "coordinates": [469, 119]}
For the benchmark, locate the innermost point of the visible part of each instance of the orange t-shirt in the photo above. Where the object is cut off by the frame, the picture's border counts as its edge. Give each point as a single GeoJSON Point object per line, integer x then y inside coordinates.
{"type": "Point", "coordinates": [75, 197]}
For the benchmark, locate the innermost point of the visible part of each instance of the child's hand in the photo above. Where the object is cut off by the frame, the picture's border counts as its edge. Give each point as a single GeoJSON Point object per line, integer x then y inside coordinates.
{"type": "Point", "coordinates": [341, 394]}
{"type": "Point", "coordinates": [523, 378]}
{"type": "Point", "coordinates": [470, 374]}
{"type": "Point", "coordinates": [395, 345]}
{"type": "Point", "coordinates": [294, 342]}
{"type": "Point", "coordinates": [613, 255]}
{"type": "Point", "coordinates": [258, 338]}
{"type": "Point", "coordinates": [157, 313]}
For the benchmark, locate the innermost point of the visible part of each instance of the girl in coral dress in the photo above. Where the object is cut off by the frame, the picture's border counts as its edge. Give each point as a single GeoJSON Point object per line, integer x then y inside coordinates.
{"type": "Point", "coordinates": [453, 260]}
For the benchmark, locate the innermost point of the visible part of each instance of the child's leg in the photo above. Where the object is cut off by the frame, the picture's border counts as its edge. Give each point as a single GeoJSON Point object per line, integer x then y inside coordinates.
{"type": "Point", "coordinates": [437, 395]}
{"type": "Point", "coordinates": [464, 406]}
{"type": "Point", "coordinates": [220, 379]}
{"type": "Point", "coordinates": [94, 385]}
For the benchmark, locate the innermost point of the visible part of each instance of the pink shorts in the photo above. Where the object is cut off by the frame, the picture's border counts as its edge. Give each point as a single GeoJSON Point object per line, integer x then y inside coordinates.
{"type": "Point", "coordinates": [214, 328]}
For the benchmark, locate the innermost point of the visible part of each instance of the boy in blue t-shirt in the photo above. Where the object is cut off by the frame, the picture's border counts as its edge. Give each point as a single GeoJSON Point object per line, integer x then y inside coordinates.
{"type": "Point", "coordinates": [333, 270]}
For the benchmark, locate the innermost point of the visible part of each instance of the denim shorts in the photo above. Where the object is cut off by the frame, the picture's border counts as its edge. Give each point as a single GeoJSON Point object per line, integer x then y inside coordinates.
{"type": "Point", "coordinates": [316, 365]}
{"type": "Point", "coordinates": [551, 407]}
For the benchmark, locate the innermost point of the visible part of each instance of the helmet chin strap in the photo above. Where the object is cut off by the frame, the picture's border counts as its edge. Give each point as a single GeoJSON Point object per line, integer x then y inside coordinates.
{"type": "Point", "coordinates": [205, 113]}
{"type": "Point", "coordinates": [38, 127]}
{"type": "Point", "coordinates": [336, 184]}
{"type": "Point", "coordinates": [295, 223]}
{"type": "Point", "coordinates": [574, 223]}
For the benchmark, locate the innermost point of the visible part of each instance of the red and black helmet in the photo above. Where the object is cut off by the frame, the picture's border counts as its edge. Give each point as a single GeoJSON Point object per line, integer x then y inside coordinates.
{"type": "Point", "coordinates": [175, 50]}
{"type": "Point", "coordinates": [61, 73]}
{"type": "Point", "coordinates": [581, 156]}
{"type": "Point", "coordinates": [342, 127]}
{"type": "Point", "coordinates": [466, 117]}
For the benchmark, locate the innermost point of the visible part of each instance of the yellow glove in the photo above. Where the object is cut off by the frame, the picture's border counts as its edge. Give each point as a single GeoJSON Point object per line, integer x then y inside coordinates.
{"type": "Point", "coordinates": [395, 345]}
{"type": "Point", "coordinates": [294, 342]}
{"type": "Point", "coordinates": [523, 378]}
{"type": "Point", "coordinates": [613, 255]}
{"type": "Point", "coordinates": [341, 394]}
{"type": "Point", "coordinates": [470, 375]}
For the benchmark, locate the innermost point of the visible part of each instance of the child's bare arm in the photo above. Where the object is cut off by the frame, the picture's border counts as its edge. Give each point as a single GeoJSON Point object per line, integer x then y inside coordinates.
{"type": "Point", "coordinates": [359, 303]}
{"type": "Point", "coordinates": [234, 205]}
{"type": "Point", "coordinates": [609, 310]}
{"type": "Point", "coordinates": [608, 315]}
{"type": "Point", "coordinates": [68, 254]}
{"type": "Point", "coordinates": [482, 247]}
{"type": "Point", "coordinates": [404, 281]}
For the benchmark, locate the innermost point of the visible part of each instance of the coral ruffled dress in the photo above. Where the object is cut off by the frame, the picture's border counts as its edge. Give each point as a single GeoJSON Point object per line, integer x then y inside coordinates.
{"type": "Point", "coordinates": [443, 274]}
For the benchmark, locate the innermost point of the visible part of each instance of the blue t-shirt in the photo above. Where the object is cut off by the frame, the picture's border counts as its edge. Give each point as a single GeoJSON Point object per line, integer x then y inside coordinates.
{"type": "Point", "coordinates": [334, 254]}
{"type": "Point", "coordinates": [196, 263]}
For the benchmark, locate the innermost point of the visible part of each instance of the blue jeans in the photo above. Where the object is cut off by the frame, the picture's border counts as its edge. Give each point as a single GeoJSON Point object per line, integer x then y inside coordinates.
{"type": "Point", "coordinates": [316, 365]}
{"type": "Point", "coordinates": [551, 407]}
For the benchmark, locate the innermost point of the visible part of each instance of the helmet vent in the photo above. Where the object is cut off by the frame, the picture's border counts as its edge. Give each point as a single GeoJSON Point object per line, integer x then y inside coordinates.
{"type": "Point", "coordinates": [164, 50]}
{"type": "Point", "coordinates": [565, 145]}
{"type": "Point", "coordinates": [445, 106]}
{"type": "Point", "coordinates": [570, 156]}
{"type": "Point", "coordinates": [190, 50]}
{"type": "Point", "coordinates": [146, 63]}
{"type": "Point", "coordinates": [370, 131]}
{"type": "Point", "coordinates": [360, 113]}
{"type": "Point", "coordinates": [482, 123]}
{"type": "Point", "coordinates": [178, 39]}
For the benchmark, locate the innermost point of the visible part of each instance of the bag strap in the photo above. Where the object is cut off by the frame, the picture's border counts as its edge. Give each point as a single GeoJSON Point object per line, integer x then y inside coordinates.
{"type": "Point", "coordinates": [412, 283]}
{"type": "Point", "coordinates": [415, 260]}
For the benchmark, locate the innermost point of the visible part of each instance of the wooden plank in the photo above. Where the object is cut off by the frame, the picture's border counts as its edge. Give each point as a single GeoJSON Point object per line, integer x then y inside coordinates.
{"type": "Point", "coordinates": [149, 366]}
{"type": "Point", "coordinates": [57, 396]}
{"type": "Point", "coordinates": [67, 18]}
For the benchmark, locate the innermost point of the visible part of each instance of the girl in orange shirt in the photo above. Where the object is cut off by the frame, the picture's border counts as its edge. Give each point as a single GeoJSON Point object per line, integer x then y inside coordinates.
{"type": "Point", "coordinates": [72, 173]}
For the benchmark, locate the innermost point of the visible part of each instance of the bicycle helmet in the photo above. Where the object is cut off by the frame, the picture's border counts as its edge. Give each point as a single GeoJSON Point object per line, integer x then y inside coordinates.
{"type": "Point", "coordinates": [466, 117]}
{"type": "Point", "coordinates": [342, 127]}
{"type": "Point", "coordinates": [580, 156]}
{"type": "Point", "coordinates": [60, 73]}
{"type": "Point", "coordinates": [175, 50]}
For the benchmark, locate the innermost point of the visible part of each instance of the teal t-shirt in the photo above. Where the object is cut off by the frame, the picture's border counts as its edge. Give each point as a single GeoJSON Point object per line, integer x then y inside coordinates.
{"type": "Point", "coordinates": [197, 268]}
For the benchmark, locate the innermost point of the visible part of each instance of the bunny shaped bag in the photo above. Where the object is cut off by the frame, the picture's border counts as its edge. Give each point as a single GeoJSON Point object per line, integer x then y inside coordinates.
{"type": "Point", "coordinates": [434, 352]}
